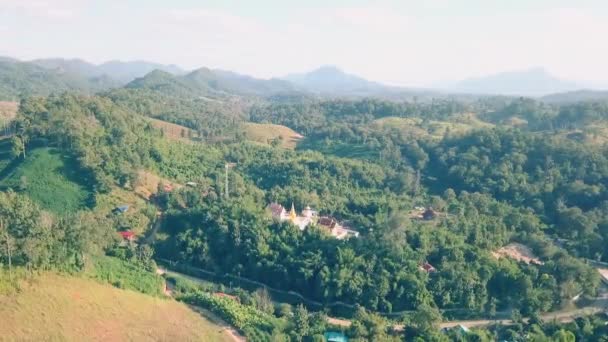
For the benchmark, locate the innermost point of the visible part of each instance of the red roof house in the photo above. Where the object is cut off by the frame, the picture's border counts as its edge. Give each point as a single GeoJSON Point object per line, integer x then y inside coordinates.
{"type": "Point", "coordinates": [225, 295]}
{"type": "Point", "coordinates": [327, 222]}
{"type": "Point", "coordinates": [428, 268]}
{"type": "Point", "coordinates": [127, 235]}
{"type": "Point", "coordinates": [276, 210]}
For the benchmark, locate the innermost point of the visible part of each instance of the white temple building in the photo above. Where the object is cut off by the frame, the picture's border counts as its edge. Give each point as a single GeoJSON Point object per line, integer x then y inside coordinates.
{"type": "Point", "coordinates": [308, 217]}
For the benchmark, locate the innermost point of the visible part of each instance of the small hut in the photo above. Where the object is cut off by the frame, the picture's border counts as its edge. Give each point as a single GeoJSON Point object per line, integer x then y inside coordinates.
{"type": "Point", "coordinates": [333, 336]}
{"type": "Point", "coordinates": [121, 209]}
{"type": "Point", "coordinates": [127, 235]}
{"type": "Point", "coordinates": [428, 268]}
{"type": "Point", "coordinates": [429, 214]}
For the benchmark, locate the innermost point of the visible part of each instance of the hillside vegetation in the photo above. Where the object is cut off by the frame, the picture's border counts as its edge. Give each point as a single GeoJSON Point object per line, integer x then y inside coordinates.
{"type": "Point", "coordinates": [49, 177]}
{"type": "Point", "coordinates": [53, 307]}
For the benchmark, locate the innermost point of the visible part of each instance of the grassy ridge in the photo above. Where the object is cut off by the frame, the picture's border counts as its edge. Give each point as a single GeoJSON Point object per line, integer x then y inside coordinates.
{"type": "Point", "coordinates": [53, 307]}
{"type": "Point", "coordinates": [433, 129]}
{"type": "Point", "coordinates": [264, 133]}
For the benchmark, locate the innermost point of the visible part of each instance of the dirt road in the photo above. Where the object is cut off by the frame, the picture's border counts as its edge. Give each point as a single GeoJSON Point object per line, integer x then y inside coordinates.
{"type": "Point", "coordinates": [226, 328]}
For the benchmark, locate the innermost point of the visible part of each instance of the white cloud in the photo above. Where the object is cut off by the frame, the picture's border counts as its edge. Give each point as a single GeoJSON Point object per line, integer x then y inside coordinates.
{"type": "Point", "coordinates": [60, 9]}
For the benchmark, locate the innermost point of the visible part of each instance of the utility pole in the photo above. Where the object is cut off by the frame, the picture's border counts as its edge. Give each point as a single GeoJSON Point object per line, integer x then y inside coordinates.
{"type": "Point", "coordinates": [417, 182]}
{"type": "Point", "coordinates": [8, 249]}
{"type": "Point", "coordinates": [226, 167]}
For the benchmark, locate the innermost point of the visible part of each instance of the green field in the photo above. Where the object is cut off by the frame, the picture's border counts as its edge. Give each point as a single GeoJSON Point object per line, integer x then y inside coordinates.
{"type": "Point", "coordinates": [58, 308]}
{"type": "Point", "coordinates": [47, 176]}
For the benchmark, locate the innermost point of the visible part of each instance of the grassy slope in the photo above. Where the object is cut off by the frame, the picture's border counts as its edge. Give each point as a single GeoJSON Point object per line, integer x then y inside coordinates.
{"type": "Point", "coordinates": [260, 133]}
{"type": "Point", "coordinates": [8, 110]}
{"type": "Point", "coordinates": [264, 133]}
{"type": "Point", "coordinates": [459, 124]}
{"type": "Point", "coordinates": [173, 131]}
{"type": "Point", "coordinates": [595, 134]}
{"type": "Point", "coordinates": [52, 179]}
{"type": "Point", "coordinates": [64, 308]}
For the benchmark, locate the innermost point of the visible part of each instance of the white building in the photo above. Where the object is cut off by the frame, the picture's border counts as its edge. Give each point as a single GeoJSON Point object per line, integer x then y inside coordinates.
{"type": "Point", "coordinates": [308, 217]}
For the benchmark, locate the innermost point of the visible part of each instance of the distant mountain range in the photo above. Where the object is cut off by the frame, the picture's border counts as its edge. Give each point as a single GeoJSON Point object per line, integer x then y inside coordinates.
{"type": "Point", "coordinates": [23, 78]}
{"type": "Point", "coordinates": [205, 81]}
{"type": "Point", "coordinates": [120, 71]}
{"type": "Point", "coordinates": [531, 82]}
{"type": "Point", "coordinates": [44, 76]}
{"type": "Point", "coordinates": [332, 81]}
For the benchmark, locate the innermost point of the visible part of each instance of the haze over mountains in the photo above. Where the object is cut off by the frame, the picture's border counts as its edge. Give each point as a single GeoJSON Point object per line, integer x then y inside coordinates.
{"type": "Point", "coordinates": [531, 82]}
{"type": "Point", "coordinates": [117, 70]}
{"type": "Point", "coordinates": [43, 76]}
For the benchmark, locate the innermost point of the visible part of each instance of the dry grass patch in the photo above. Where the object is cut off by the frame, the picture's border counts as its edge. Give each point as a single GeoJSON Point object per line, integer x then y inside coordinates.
{"type": "Point", "coordinates": [148, 182]}
{"type": "Point", "coordinates": [8, 110]}
{"type": "Point", "coordinates": [417, 128]}
{"type": "Point", "coordinates": [266, 133]}
{"type": "Point", "coordinates": [54, 307]}
{"type": "Point", "coordinates": [173, 131]}
{"type": "Point", "coordinates": [519, 252]}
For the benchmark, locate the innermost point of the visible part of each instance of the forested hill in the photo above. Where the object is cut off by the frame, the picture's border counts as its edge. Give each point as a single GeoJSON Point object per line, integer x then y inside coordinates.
{"type": "Point", "coordinates": [122, 72]}
{"type": "Point", "coordinates": [206, 82]}
{"type": "Point", "coordinates": [19, 79]}
{"type": "Point", "coordinates": [577, 96]}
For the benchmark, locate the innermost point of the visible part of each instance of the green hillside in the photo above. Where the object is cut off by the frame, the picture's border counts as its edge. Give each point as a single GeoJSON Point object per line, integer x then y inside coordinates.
{"type": "Point", "coordinates": [47, 176]}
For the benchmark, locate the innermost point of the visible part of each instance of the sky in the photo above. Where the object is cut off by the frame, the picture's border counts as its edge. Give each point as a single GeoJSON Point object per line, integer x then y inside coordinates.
{"type": "Point", "coordinates": [400, 42]}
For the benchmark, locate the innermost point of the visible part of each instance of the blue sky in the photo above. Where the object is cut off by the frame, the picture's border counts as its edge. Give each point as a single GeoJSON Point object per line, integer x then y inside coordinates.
{"type": "Point", "coordinates": [406, 42]}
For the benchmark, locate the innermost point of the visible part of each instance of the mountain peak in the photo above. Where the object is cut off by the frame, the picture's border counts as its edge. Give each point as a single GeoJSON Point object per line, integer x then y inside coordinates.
{"type": "Point", "coordinates": [328, 69]}
{"type": "Point", "coordinates": [330, 79]}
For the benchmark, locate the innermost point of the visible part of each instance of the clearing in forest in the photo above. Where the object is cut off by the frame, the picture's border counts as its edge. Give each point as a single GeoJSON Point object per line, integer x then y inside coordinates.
{"type": "Point", "coordinates": [173, 131]}
{"type": "Point", "coordinates": [517, 251]}
{"type": "Point", "coordinates": [266, 133]}
{"type": "Point", "coordinates": [148, 182]}
{"type": "Point", "coordinates": [53, 307]}
{"type": "Point", "coordinates": [49, 177]}
{"type": "Point", "coordinates": [8, 110]}
{"type": "Point", "coordinates": [418, 128]}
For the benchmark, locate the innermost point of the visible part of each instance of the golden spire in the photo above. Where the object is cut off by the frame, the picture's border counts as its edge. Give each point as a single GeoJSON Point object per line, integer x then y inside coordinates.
{"type": "Point", "coordinates": [292, 213]}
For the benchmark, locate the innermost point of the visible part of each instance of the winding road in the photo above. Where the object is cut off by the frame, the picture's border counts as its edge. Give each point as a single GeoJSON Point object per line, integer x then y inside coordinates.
{"type": "Point", "coordinates": [597, 304]}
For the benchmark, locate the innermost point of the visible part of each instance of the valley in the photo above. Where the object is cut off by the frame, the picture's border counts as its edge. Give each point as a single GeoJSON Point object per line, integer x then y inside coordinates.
{"type": "Point", "coordinates": [158, 203]}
